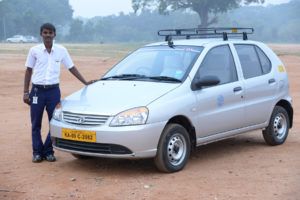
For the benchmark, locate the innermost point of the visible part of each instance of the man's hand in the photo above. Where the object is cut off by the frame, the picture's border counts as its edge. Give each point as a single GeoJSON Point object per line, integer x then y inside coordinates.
{"type": "Point", "coordinates": [90, 82]}
{"type": "Point", "coordinates": [27, 78]}
{"type": "Point", "coordinates": [26, 98]}
{"type": "Point", "coordinates": [76, 73]}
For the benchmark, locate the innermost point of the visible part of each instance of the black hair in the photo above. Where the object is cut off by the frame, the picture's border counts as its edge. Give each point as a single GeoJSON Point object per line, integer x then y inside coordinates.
{"type": "Point", "coordinates": [48, 26]}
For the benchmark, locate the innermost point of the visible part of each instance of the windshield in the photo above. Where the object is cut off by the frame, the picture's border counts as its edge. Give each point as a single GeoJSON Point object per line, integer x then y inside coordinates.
{"type": "Point", "coordinates": [156, 63]}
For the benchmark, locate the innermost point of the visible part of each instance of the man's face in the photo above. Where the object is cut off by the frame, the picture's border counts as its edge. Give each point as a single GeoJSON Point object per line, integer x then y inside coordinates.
{"type": "Point", "coordinates": [47, 35]}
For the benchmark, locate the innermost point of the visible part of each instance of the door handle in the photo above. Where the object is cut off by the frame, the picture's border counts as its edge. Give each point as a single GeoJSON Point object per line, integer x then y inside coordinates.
{"type": "Point", "coordinates": [237, 89]}
{"type": "Point", "coordinates": [272, 80]}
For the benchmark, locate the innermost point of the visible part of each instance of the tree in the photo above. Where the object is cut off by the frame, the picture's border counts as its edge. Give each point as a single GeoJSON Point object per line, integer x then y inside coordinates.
{"type": "Point", "coordinates": [202, 7]}
{"type": "Point", "coordinates": [76, 31]}
{"type": "Point", "coordinates": [26, 16]}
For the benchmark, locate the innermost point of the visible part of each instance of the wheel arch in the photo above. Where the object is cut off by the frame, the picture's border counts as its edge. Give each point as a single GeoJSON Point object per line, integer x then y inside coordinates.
{"type": "Point", "coordinates": [186, 123]}
{"type": "Point", "coordinates": [288, 107]}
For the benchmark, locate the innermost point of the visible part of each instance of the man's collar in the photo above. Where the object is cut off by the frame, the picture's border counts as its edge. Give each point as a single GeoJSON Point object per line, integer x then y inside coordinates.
{"type": "Point", "coordinates": [52, 49]}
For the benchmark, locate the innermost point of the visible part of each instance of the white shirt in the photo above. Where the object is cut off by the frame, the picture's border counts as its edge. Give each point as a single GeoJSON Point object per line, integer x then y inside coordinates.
{"type": "Point", "coordinates": [46, 66]}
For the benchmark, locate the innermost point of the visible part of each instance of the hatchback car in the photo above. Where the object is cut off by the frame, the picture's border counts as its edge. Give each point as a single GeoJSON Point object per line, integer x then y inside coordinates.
{"type": "Point", "coordinates": [167, 98]}
{"type": "Point", "coordinates": [16, 39]}
{"type": "Point", "coordinates": [31, 39]}
{"type": "Point", "coordinates": [22, 39]}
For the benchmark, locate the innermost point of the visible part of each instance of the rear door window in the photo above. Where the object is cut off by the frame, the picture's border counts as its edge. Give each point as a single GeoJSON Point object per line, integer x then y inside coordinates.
{"type": "Point", "coordinates": [264, 61]}
{"type": "Point", "coordinates": [253, 60]}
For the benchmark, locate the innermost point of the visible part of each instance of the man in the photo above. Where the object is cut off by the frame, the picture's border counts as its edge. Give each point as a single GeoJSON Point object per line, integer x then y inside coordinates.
{"type": "Point", "coordinates": [43, 67]}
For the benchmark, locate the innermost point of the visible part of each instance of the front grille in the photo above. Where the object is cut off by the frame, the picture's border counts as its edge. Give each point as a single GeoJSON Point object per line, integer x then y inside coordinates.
{"type": "Point", "coordinates": [91, 147]}
{"type": "Point", "coordinates": [84, 119]}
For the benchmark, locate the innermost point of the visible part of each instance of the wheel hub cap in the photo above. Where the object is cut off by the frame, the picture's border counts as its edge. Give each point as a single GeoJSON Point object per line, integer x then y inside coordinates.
{"type": "Point", "coordinates": [280, 126]}
{"type": "Point", "coordinates": [176, 150]}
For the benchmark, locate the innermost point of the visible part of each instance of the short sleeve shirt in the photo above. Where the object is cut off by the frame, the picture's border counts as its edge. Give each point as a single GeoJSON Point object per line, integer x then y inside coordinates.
{"type": "Point", "coordinates": [46, 66]}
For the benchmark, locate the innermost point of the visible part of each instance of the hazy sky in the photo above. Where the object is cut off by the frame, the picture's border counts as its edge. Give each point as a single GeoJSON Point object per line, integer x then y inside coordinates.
{"type": "Point", "coordinates": [91, 8]}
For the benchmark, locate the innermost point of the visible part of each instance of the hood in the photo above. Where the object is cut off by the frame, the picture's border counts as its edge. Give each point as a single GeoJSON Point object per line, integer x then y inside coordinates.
{"type": "Point", "coordinates": [113, 97]}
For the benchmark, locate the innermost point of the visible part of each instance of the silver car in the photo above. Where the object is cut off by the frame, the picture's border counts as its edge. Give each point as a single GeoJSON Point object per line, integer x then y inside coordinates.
{"type": "Point", "coordinates": [166, 98]}
{"type": "Point", "coordinates": [16, 39]}
{"type": "Point", "coordinates": [22, 39]}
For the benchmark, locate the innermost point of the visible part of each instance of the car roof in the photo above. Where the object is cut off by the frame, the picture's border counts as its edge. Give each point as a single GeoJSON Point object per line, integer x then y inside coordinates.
{"type": "Point", "coordinates": [205, 36]}
{"type": "Point", "coordinates": [204, 42]}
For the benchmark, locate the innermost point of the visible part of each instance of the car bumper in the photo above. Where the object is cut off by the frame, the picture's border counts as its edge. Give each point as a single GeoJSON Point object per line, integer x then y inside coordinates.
{"type": "Point", "coordinates": [112, 142]}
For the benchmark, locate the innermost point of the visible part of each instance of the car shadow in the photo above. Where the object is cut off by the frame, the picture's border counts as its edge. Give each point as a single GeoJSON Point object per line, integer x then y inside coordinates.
{"type": "Point", "coordinates": [230, 146]}
{"type": "Point", "coordinates": [213, 152]}
{"type": "Point", "coordinates": [94, 164]}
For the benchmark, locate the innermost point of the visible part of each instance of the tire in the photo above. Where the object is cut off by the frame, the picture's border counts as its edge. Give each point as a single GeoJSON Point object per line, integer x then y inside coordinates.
{"type": "Point", "coordinates": [173, 149]}
{"type": "Point", "coordinates": [80, 157]}
{"type": "Point", "coordinates": [278, 128]}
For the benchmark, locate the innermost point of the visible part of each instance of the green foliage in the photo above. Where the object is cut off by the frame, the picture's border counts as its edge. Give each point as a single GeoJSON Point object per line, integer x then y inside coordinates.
{"type": "Point", "coordinates": [203, 8]}
{"type": "Point", "coordinates": [77, 31]}
{"type": "Point", "coordinates": [129, 28]}
{"type": "Point", "coordinates": [26, 16]}
{"type": "Point", "coordinates": [277, 23]}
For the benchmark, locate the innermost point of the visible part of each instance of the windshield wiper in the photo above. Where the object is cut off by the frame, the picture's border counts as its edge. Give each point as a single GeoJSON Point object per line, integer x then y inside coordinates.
{"type": "Point", "coordinates": [125, 77]}
{"type": "Point", "coordinates": [165, 78]}
{"type": "Point", "coordinates": [139, 76]}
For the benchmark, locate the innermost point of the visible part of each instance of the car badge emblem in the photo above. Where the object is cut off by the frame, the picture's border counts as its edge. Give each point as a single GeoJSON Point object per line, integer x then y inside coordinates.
{"type": "Point", "coordinates": [80, 120]}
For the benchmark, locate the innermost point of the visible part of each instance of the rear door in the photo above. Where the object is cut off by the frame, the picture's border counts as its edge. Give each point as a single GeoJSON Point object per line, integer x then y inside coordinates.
{"type": "Point", "coordinates": [220, 107]}
{"type": "Point", "coordinates": [260, 83]}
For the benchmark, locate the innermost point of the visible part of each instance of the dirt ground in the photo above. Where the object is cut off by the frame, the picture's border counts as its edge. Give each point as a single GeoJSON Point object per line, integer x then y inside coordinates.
{"type": "Point", "coordinates": [243, 167]}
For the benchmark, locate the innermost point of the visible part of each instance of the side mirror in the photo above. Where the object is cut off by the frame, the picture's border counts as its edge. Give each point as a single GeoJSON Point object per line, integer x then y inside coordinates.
{"type": "Point", "coordinates": [205, 81]}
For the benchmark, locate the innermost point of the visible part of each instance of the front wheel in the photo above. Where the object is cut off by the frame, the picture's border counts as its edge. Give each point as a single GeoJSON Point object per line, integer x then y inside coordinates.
{"type": "Point", "coordinates": [173, 149]}
{"type": "Point", "coordinates": [278, 128]}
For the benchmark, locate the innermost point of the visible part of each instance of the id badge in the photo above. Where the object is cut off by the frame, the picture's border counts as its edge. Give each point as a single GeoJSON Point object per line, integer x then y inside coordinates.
{"type": "Point", "coordinates": [34, 100]}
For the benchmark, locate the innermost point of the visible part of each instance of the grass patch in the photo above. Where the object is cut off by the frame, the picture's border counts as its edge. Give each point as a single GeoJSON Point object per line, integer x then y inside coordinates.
{"type": "Point", "coordinates": [15, 48]}
{"type": "Point", "coordinates": [102, 50]}
{"type": "Point", "coordinates": [286, 49]}
{"type": "Point", "coordinates": [117, 50]}
{"type": "Point", "coordinates": [282, 53]}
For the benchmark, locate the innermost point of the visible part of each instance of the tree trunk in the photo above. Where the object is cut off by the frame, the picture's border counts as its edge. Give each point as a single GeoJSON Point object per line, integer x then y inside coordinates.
{"type": "Point", "coordinates": [203, 14]}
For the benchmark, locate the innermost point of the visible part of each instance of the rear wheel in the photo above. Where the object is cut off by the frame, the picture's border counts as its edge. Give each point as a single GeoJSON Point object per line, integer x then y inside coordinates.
{"type": "Point", "coordinates": [278, 128]}
{"type": "Point", "coordinates": [173, 149]}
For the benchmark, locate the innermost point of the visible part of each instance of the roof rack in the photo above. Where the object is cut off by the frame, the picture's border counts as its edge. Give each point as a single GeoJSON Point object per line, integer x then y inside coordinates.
{"type": "Point", "coordinates": [205, 33]}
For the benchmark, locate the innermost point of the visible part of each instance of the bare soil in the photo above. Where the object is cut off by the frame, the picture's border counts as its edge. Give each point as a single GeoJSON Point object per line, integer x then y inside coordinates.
{"type": "Point", "coordinates": [243, 167]}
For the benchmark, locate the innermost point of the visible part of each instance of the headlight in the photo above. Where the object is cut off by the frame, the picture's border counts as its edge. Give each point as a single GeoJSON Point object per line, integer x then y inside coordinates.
{"type": "Point", "coordinates": [57, 114]}
{"type": "Point", "coordinates": [135, 116]}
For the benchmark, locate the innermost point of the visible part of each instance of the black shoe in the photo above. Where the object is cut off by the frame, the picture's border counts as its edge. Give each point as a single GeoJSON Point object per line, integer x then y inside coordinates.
{"type": "Point", "coordinates": [50, 158]}
{"type": "Point", "coordinates": [37, 159]}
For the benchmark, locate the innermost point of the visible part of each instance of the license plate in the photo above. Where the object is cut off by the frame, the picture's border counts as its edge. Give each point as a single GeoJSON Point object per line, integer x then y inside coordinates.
{"type": "Point", "coordinates": [79, 135]}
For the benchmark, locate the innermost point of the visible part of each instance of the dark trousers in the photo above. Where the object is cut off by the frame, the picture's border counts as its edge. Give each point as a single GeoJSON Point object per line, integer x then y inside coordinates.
{"type": "Point", "coordinates": [46, 98]}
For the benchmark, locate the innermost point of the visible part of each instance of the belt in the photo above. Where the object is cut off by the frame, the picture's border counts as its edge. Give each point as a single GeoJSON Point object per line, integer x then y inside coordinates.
{"type": "Point", "coordinates": [46, 86]}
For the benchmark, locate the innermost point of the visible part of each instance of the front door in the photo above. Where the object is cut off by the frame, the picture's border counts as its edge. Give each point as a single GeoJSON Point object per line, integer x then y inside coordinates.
{"type": "Point", "coordinates": [220, 107]}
